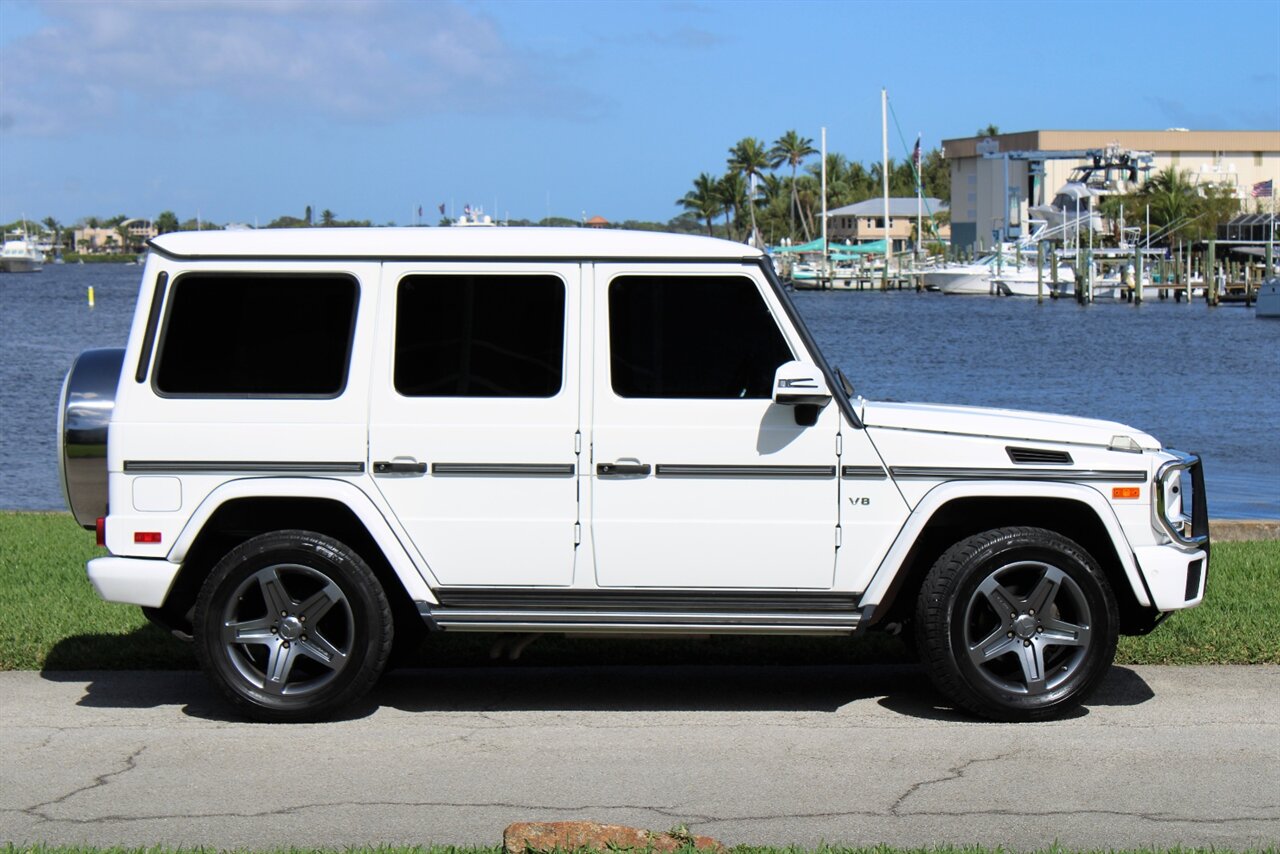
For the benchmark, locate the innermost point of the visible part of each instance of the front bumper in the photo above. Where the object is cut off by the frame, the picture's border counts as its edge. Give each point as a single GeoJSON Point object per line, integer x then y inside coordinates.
{"type": "Point", "coordinates": [1175, 578]}
{"type": "Point", "coordinates": [132, 580]}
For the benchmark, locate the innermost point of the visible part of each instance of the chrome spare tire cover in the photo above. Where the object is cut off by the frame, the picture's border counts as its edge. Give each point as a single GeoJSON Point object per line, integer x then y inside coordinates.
{"type": "Point", "coordinates": [88, 397]}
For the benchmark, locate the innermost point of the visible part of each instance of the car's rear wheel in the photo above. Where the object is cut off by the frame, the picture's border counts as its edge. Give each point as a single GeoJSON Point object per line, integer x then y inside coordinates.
{"type": "Point", "coordinates": [1017, 624]}
{"type": "Point", "coordinates": [292, 625]}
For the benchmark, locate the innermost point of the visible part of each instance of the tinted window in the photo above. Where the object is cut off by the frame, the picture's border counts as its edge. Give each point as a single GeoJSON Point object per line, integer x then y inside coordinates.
{"type": "Point", "coordinates": [480, 336]}
{"type": "Point", "coordinates": [692, 337]}
{"type": "Point", "coordinates": [250, 335]}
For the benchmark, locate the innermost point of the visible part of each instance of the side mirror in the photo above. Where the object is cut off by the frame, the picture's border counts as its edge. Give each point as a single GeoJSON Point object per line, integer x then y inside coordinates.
{"type": "Point", "coordinates": [800, 384]}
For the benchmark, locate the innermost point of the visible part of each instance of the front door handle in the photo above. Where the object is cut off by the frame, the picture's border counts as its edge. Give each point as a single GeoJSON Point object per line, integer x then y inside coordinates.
{"type": "Point", "coordinates": [400, 467]}
{"type": "Point", "coordinates": [618, 469]}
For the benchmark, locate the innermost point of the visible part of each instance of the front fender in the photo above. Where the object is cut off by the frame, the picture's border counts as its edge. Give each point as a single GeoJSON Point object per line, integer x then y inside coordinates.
{"type": "Point", "coordinates": [878, 584]}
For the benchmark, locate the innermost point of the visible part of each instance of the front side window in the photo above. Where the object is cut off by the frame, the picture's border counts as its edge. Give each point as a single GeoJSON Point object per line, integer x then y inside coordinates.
{"type": "Point", "coordinates": [704, 337]}
{"type": "Point", "coordinates": [480, 336]}
{"type": "Point", "coordinates": [257, 335]}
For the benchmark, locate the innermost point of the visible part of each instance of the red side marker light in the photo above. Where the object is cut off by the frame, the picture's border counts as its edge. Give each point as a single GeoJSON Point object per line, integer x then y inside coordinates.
{"type": "Point", "coordinates": [100, 529]}
{"type": "Point", "coordinates": [150, 537]}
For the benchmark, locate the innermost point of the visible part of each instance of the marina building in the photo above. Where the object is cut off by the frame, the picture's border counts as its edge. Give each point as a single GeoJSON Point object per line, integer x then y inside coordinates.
{"type": "Point", "coordinates": [996, 179]}
{"type": "Point", "coordinates": [864, 221]}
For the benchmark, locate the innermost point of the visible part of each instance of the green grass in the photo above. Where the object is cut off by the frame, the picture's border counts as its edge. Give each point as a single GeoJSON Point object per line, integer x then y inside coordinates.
{"type": "Point", "coordinates": [51, 619]}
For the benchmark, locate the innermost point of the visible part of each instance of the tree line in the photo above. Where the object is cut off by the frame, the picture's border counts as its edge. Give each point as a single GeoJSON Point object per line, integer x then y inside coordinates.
{"type": "Point", "coordinates": [763, 190]}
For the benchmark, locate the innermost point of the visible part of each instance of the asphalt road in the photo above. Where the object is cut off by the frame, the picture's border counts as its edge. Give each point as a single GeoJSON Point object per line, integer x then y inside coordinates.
{"type": "Point", "coordinates": [770, 755]}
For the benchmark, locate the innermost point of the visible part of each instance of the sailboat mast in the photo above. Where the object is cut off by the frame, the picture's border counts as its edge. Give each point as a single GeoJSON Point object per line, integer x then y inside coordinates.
{"type": "Point", "coordinates": [884, 174]}
{"type": "Point", "coordinates": [824, 200]}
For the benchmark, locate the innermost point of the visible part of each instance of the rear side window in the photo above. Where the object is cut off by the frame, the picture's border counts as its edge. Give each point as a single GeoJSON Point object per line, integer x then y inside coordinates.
{"type": "Point", "coordinates": [257, 335]}
{"type": "Point", "coordinates": [480, 336]}
{"type": "Point", "coordinates": [707, 337]}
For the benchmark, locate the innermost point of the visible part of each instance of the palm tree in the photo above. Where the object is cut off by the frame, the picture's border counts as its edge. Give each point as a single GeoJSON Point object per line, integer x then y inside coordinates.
{"type": "Point", "coordinates": [327, 217]}
{"type": "Point", "coordinates": [1172, 198]}
{"type": "Point", "coordinates": [702, 199]}
{"type": "Point", "coordinates": [792, 148]}
{"type": "Point", "coordinates": [166, 222]}
{"type": "Point", "coordinates": [750, 158]}
{"type": "Point", "coordinates": [56, 227]}
{"type": "Point", "coordinates": [731, 192]}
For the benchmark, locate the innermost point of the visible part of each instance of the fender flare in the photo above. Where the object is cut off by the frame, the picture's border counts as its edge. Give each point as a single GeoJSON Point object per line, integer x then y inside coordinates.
{"type": "Point", "coordinates": [408, 566]}
{"type": "Point", "coordinates": [944, 493]}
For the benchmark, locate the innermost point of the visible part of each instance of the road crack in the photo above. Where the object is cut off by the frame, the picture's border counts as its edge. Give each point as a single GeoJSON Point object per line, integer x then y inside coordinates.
{"type": "Point", "coordinates": [39, 811]}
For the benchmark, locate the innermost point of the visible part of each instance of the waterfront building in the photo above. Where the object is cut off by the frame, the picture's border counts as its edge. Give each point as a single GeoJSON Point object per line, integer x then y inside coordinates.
{"type": "Point", "coordinates": [130, 236]}
{"type": "Point", "coordinates": [864, 221]}
{"type": "Point", "coordinates": [995, 179]}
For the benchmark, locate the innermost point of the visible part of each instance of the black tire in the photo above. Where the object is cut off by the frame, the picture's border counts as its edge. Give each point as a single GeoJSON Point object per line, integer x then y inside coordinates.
{"type": "Point", "coordinates": [1016, 624]}
{"type": "Point", "coordinates": [292, 626]}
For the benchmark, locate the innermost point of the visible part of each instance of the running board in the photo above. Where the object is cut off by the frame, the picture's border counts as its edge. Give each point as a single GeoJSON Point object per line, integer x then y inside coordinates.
{"type": "Point", "coordinates": [642, 612]}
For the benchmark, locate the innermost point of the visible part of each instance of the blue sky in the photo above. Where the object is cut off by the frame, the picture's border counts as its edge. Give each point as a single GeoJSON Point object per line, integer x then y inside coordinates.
{"type": "Point", "coordinates": [243, 110]}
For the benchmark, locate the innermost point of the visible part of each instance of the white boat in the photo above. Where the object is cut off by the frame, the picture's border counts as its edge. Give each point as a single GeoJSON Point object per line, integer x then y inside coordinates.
{"type": "Point", "coordinates": [1268, 304]}
{"type": "Point", "coordinates": [1022, 281]}
{"type": "Point", "coordinates": [972, 278]}
{"type": "Point", "coordinates": [21, 255]}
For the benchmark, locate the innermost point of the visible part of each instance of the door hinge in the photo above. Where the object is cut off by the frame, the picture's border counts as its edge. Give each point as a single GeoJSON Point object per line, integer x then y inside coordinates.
{"type": "Point", "coordinates": [838, 536]}
{"type": "Point", "coordinates": [577, 442]}
{"type": "Point", "coordinates": [577, 533]}
{"type": "Point", "coordinates": [839, 444]}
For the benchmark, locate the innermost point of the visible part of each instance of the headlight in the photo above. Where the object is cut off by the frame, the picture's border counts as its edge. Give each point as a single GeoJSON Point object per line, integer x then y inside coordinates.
{"type": "Point", "coordinates": [1179, 507]}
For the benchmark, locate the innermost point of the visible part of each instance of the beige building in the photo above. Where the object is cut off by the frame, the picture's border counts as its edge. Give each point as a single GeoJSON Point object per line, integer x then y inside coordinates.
{"type": "Point", "coordinates": [864, 221]}
{"type": "Point", "coordinates": [994, 180]}
{"type": "Point", "coordinates": [136, 231]}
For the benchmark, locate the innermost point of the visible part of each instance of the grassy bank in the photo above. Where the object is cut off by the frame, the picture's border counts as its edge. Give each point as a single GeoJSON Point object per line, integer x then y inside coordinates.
{"type": "Point", "coordinates": [50, 618]}
{"type": "Point", "coordinates": [99, 257]}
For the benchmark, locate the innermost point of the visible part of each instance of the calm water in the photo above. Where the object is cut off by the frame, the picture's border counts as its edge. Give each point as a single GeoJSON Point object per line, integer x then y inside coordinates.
{"type": "Point", "coordinates": [1199, 379]}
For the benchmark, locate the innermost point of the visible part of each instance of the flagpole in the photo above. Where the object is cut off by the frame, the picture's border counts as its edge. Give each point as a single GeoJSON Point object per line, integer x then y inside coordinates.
{"type": "Point", "coordinates": [884, 174]}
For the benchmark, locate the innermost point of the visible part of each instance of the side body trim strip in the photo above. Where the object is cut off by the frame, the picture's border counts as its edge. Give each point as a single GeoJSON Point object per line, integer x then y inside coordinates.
{"type": "Point", "coordinates": [504, 469]}
{"type": "Point", "coordinates": [239, 467]}
{"type": "Point", "coordinates": [931, 473]}
{"type": "Point", "coordinates": [863, 473]}
{"type": "Point", "coordinates": [680, 470]}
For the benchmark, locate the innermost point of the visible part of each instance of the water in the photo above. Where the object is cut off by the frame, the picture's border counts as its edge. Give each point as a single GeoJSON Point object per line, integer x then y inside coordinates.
{"type": "Point", "coordinates": [1199, 379]}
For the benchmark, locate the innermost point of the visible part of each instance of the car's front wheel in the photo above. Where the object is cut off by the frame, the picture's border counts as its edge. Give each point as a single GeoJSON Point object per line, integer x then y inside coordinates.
{"type": "Point", "coordinates": [1017, 624]}
{"type": "Point", "coordinates": [292, 625]}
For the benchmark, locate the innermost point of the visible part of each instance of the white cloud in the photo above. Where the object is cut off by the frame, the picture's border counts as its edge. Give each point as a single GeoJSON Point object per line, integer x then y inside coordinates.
{"type": "Point", "coordinates": [361, 60]}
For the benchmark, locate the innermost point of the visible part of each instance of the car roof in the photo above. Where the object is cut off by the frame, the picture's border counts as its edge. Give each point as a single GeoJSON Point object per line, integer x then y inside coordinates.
{"type": "Point", "coordinates": [448, 243]}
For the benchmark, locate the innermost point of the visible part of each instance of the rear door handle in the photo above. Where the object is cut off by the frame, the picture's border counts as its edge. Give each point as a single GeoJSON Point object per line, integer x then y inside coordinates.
{"type": "Point", "coordinates": [399, 467]}
{"type": "Point", "coordinates": [618, 469]}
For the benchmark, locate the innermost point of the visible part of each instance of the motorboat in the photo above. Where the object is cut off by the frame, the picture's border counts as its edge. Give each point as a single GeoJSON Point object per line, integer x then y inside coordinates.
{"type": "Point", "coordinates": [1268, 302]}
{"type": "Point", "coordinates": [20, 254]}
{"type": "Point", "coordinates": [1025, 281]}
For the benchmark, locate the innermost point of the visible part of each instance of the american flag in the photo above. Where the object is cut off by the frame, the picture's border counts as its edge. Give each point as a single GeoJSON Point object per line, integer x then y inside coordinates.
{"type": "Point", "coordinates": [1263, 189]}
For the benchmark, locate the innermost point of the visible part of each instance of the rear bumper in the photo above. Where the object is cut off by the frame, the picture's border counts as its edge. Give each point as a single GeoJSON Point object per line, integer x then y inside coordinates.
{"type": "Point", "coordinates": [132, 580]}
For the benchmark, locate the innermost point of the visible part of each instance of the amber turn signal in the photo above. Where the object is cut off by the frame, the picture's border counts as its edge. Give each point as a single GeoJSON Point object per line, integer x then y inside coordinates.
{"type": "Point", "coordinates": [1126, 491]}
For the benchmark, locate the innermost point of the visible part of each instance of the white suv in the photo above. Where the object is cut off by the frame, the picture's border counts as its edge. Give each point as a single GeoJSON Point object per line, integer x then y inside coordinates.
{"type": "Point", "coordinates": [318, 439]}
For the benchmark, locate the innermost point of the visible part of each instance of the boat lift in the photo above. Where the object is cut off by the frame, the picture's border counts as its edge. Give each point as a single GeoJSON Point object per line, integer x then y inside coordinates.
{"type": "Point", "coordinates": [1106, 160]}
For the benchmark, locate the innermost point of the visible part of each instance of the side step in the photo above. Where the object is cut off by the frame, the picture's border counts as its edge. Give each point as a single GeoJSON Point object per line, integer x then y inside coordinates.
{"type": "Point", "coordinates": [642, 611]}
